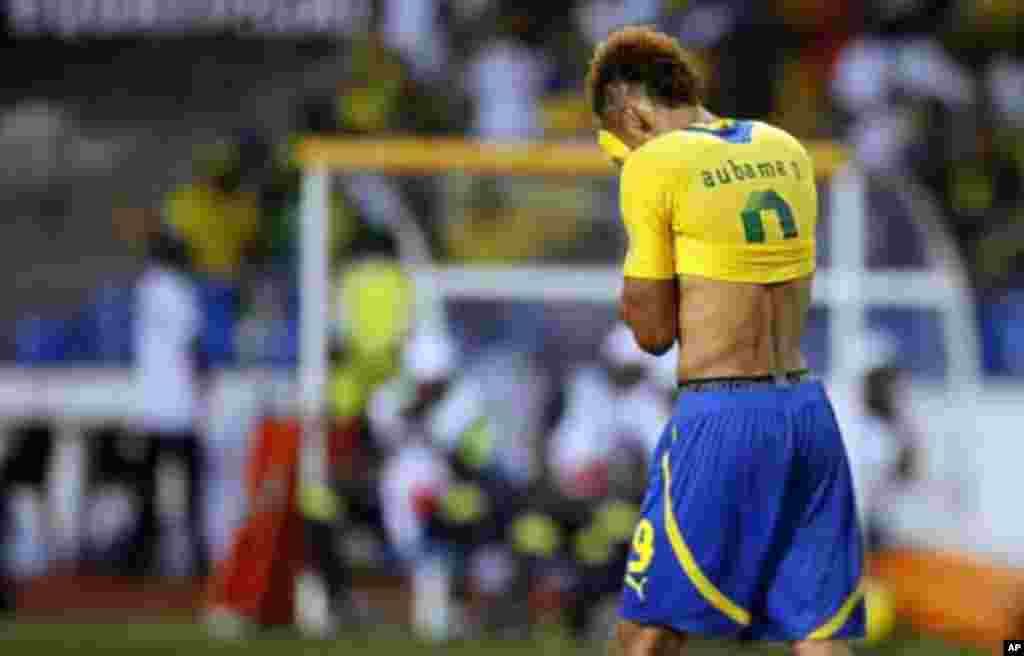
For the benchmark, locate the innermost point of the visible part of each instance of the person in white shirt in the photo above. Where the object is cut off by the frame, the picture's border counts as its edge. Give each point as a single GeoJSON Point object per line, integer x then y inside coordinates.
{"type": "Point", "coordinates": [169, 377]}
{"type": "Point", "coordinates": [506, 80]}
{"type": "Point", "coordinates": [615, 408]}
{"type": "Point", "coordinates": [416, 476]}
{"type": "Point", "coordinates": [882, 447]}
{"type": "Point", "coordinates": [413, 28]}
{"type": "Point", "coordinates": [415, 473]}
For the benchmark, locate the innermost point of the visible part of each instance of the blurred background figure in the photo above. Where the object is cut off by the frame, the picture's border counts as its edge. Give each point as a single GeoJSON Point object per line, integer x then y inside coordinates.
{"type": "Point", "coordinates": [451, 493]}
{"type": "Point", "coordinates": [217, 214]}
{"type": "Point", "coordinates": [345, 524]}
{"type": "Point", "coordinates": [614, 416]}
{"type": "Point", "coordinates": [414, 29]}
{"type": "Point", "coordinates": [881, 440]}
{"type": "Point", "coordinates": [613, 419]}
{"type": "Point", "coordinates": [507, 75]}
{"type": "Point", "coordinates": [25, 457]}
{"type": "Point", "coordinates": [415, 478]}
{"type": "Point", "coordinates": [171, 380]}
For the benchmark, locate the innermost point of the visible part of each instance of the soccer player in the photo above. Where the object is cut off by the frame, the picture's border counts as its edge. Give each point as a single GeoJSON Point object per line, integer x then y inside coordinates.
{"type": "Point", "coordinates": [749, 527]}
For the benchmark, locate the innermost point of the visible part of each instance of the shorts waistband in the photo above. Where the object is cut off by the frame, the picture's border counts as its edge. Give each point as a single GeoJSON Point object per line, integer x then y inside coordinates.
{"type": "Point", "coordinates": [743, 382]}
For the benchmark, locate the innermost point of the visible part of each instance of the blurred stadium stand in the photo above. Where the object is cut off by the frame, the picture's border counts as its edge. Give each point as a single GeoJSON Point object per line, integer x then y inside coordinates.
{"type": "Point", "coordinates": [91, 120]}
{"type": "Point", "coordinates": [118, 119]}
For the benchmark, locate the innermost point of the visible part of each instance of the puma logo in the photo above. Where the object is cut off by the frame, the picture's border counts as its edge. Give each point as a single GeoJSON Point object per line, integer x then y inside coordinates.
{"type": "Point", "coordinates": [637, 585]}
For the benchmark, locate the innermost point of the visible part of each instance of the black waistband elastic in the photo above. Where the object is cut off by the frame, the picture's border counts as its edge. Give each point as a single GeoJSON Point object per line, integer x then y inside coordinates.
{"type": "Point", "coordinates": [739, 382]}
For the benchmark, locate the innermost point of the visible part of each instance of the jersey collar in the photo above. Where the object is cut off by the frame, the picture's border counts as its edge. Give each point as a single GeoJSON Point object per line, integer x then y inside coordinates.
{"type": "Point", "coordinates": [613, 147]}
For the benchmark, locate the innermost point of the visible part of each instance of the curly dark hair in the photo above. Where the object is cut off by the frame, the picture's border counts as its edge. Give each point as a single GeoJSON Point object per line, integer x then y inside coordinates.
{"type": "Point", "coordinates": [642, 55]}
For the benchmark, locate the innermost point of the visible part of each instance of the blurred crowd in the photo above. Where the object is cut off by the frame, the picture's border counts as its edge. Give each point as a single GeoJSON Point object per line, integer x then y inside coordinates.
{"type": "Point", "coordinates": [927, 93]}
{"type": "Point", "coordinates": [490, 520]}
{"type": "Point", "coordinates": [499, 527]}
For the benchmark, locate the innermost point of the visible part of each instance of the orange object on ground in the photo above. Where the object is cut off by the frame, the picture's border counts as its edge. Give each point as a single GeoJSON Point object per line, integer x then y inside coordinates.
{"type": "Point", "coordinates": [957, 596]}
{"type": "Point", "coordinates": [257, 580]}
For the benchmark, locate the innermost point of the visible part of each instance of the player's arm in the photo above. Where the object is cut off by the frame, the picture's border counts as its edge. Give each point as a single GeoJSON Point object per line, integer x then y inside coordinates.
{"type": "Point", "coordinates": [648, 308]}
{"type": "Point", "coordinates": [650, 292]}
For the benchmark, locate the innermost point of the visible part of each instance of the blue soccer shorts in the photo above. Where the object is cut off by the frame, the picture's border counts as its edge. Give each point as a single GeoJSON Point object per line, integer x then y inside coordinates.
{"type": "Point", "coordinates": [749, 527]}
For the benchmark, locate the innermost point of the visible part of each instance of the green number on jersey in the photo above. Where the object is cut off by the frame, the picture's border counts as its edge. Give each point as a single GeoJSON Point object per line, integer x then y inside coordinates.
{"type": "Point", "coordinates": [753, 221]}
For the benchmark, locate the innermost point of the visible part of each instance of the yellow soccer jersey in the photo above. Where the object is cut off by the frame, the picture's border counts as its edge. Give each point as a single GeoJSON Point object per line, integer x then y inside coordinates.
{"type": "Point", "coordinates": [730, 200]}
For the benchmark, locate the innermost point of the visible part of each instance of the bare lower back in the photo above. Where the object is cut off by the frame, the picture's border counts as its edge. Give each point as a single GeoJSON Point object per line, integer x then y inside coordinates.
{"type": "Point", "coordinates": [740, 329]}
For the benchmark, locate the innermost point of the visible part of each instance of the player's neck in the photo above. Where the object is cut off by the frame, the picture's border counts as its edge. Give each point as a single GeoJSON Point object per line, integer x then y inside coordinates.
{"type": "Point", "coordinates": [681, 118]}
{"type": "Point", "coordinates": [704, 116]}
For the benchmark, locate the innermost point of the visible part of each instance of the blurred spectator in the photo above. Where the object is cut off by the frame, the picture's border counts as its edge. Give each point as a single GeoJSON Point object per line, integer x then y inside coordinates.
{"type": "Point", "coordinates": [597, 18]}
{"type": "Point", "coordinates": [416, 476]}
{"type": "Point", "coordinates": [580, 446]}
{"type": "Point", "coordinates": [373, 233]}
{"type": "Point", "coordinates": [267, 332]}
{"type": "Point", "coordinates": [517, 389]}
{"type": "Point", "coordinates": [374, 301]}
{"type": "Point", "coordinates": [506, 78]}
{"type": "Point", "coordinates": [218, 216]}
{"type": "Point", "coordinates": [399, 414]}
{"type": "Point", "coordinates": [170, 373]}
{"type": "Point", "coordinates": [117, 536]}
{"type": "Point", "coordinates": [808, 34]}
{"type": "Point", "coordinates": [463, 502]}
{"type": "Point", "coordinates": [882, 447]}
{"type": "Point", "coordinates": [413, 28]}
{"type": "Point", "coordinates": [1005, 85]}
{"type": "Point", "coordinates": [379, 92]}
{"type": "Point", "coordinates": [981, 189]}
{"type": "Point", "coordinates": [372, 317]}
{"type": "Point", "coordinates": [894, 90]}
{"type": "Point", "coordinates": [414, 479]}
{"type": "Point", "coordinates": [614, 413]}
{"type": "Point", "coordinates": [25, 459]}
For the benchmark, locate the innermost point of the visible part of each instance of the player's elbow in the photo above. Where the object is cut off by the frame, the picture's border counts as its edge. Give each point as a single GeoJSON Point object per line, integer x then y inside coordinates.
{"type": "Point", "coordinates": [655, 345]}
{"type": "Point", "coordinates": [655, 338]}
{"type": "Point", "coordinates": [651, 317]}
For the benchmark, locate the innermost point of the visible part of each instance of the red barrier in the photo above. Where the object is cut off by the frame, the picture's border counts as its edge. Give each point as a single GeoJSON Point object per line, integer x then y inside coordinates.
{"type": "Point", "coordinates": [257, 580]}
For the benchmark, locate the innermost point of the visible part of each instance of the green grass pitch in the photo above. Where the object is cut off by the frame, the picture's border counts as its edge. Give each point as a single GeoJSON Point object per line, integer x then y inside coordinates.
{"type": "Point", "coordinates": [41, 639]}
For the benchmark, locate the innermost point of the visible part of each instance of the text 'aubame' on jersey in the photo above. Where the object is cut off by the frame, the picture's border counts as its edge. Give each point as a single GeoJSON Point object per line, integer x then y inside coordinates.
{"type": "Point", "coordinates": [729, 200]}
